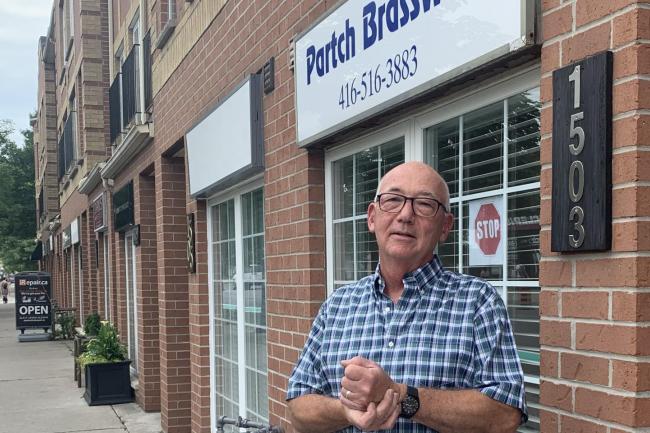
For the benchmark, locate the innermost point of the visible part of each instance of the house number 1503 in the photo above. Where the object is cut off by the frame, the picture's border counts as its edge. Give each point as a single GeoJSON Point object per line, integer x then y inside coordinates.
{"type": "Point", "coordinates": [577, 169]}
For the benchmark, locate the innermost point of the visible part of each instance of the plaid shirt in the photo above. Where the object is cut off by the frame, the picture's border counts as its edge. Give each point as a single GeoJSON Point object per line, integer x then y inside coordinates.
{"type": "Point", "coordinates": [448, 331]}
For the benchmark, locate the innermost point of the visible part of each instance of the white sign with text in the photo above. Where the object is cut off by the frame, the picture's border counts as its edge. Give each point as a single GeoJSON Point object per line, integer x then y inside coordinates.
{"type": "Point", "coordinates": [366, 55]}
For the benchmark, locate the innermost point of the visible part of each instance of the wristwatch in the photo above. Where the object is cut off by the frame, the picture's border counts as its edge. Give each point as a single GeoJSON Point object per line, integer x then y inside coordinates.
{"type": "Point", "coordinates": [411, 402]}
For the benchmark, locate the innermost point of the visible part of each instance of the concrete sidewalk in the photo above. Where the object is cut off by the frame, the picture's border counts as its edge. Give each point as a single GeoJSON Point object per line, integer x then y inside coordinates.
{"type": "Point", "coordinates": [39, 395]}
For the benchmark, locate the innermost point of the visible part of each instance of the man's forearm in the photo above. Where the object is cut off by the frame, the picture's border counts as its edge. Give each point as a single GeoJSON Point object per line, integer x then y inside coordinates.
{"type": "Point", "coordinates": [460, 411]}
{"type": "Point", "coordinates": [315, 413]}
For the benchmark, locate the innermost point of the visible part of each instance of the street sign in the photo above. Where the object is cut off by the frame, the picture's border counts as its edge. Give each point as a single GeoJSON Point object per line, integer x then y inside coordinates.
{"type": "Point", "coordinates": [486, 232]}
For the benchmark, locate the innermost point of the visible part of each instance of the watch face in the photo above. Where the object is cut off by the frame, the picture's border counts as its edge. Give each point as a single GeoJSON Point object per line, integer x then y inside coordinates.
{"type": "Point", "coordinates": [410, 405]}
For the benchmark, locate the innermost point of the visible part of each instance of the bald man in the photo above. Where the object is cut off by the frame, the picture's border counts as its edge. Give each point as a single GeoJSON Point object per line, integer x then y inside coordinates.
{"type": "Point", "coordinates": [413, 347]}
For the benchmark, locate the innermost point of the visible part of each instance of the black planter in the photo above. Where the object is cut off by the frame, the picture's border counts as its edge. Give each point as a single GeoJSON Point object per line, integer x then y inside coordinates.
{"type": "Point", "coordinates": [108, 383]}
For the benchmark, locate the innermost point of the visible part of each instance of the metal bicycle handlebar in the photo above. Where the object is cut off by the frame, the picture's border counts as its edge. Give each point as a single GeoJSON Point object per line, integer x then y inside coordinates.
{"type": "Point", "coordinates": [245, 423]}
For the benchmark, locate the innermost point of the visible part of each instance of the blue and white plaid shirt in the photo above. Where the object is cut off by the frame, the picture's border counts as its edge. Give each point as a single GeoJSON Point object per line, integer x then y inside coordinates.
{"type": "Point", "coordinates": [448, 331]}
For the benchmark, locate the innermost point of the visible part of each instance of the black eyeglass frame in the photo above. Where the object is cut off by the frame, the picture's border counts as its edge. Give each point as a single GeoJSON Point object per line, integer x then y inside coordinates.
{"type": "Point", "coordinates": [412, 199]}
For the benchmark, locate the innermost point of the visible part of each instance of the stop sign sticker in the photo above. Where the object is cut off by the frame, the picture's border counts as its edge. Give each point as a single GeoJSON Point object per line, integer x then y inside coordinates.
{"type": "Point", "coordinates": [486, 232]}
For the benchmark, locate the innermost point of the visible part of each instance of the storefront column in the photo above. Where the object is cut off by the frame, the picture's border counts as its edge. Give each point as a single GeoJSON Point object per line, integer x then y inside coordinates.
{"type": "Point", "coordinates": [148, 393]}
{"type": "Point", "coordinates": [173, 295]}
{"type": "Point", "coordinates": [295, 265]}
{"type": "Point", "coordinates": [200, 323]}
{"type": "Point", "coordinates": [595, 307]}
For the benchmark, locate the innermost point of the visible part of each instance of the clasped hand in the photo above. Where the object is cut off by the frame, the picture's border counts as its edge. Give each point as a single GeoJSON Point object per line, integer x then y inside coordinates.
{"type": "Point", "coordinates": [369, 396]}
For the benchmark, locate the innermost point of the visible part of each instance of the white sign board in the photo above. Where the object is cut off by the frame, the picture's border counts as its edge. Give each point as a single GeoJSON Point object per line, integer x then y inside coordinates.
{"type": "Point", "coordinates": [486, 231]}
{"type": "Point", "coordinates": [74, 231]}
{"type": "Point", "coordinates": [368, 55]}
{"type": "Point", "coordinates": [228, 140]}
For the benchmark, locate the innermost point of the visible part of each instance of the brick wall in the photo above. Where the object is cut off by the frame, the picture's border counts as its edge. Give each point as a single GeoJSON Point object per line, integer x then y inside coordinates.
{"type": "Point", "coordinates": [595, 308]}
{"type": "Point", "coordinates": [148, 394]}
{"type": "Point", "coordinates": [173, 295]}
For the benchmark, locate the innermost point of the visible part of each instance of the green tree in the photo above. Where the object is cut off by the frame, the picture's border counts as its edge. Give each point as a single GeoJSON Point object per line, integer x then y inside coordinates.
{"type": "Point", "coordinates": [17, 200]}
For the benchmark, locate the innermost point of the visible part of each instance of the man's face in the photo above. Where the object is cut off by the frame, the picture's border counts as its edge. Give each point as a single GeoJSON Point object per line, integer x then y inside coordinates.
{"type": "Point", "coordinates": [405, 238]}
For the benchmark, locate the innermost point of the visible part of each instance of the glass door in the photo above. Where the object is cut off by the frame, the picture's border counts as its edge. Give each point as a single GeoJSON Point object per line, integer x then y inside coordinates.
{"type": "Point", "coordinates": [131, 301]}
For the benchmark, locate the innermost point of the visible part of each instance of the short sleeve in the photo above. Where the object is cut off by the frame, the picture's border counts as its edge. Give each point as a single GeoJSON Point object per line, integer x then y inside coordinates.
{"type": "Point", "coordinates": [307, 376]}
{"type": "Point", "coordinates": [498, 373]}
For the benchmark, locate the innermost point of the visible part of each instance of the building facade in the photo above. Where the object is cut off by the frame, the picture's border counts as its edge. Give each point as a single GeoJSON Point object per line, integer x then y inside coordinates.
{"type": "Point", "coordinates": [226, 153]}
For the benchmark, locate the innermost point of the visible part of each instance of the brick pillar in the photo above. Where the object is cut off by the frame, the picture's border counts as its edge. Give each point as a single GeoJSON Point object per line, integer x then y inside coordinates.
{"type": "Point", "coordinates": [88, 266]}
{"type": "Point", "coordinates": [173, 295]}
{"type": "Point", "coordinates": [295, 259]}
{"type": "Point", "coordinates": [99, 276]}
{"type": "Point", "coordinates": [200, 324]}
{"type": "Point", "coordinates": [595, 307]}
{"type": "Point", "coordinates": [148, 393]}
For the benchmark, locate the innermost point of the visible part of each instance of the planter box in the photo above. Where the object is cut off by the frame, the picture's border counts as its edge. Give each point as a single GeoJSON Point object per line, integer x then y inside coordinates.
{"type": "Point", "coordinates": [108, 383]}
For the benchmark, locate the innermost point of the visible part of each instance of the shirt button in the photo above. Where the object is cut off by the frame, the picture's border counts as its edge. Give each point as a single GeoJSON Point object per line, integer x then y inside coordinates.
{"type": "Point", "coordinates": [387, 310]}
{"type": "Point", "coordinates": [391, 344]}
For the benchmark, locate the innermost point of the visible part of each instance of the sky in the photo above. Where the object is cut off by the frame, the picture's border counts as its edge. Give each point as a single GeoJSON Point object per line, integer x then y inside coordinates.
{"type": "Point", "coordinates": [22, 22]}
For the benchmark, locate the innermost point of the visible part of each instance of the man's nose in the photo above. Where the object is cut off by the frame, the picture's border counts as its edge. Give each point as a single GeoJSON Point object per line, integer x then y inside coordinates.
{"type": "Point", "coordinates": [407, 212]}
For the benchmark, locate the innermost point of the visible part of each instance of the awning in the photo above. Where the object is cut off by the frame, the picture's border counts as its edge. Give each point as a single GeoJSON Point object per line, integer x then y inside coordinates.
{"type": "Point", "coordinates": [37, 254]}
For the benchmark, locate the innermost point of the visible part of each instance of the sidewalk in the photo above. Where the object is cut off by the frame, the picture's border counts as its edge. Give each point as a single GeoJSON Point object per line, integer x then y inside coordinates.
{"type": "Point", "coordinates": [39, 395]}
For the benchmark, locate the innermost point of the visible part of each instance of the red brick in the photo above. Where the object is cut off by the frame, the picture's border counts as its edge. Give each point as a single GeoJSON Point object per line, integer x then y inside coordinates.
{"type": "Point", "coordinates": [585, 368]}
{"type": "Point", "coordinates": [631, 236]}
{"type": "Point", "coordinates": [556, 395]}
{"type": "Point", "coordinates": [614, 272]}
{"type": "Point", "coordinates": [549, 4]}
{"type": "Point", "coordinates": [549, 421]}
{"type": "Point", "coordinates": [586, 43]}
{"type": "Point", "coordinates": [624, 340]}
{"type": "Point", "coordinates": [632, 60]}
{"type": "Point", "coordinates": [631, 376]}
{"type": "Point", "coordinates": [549, 363]}
{"type": "Point", "coordinates": [592, 10]}
{"type": "Point", "coordinates": [549, 301]}
{"type": "Point", "coordinates": [632, 131]}
{"type": "Point", "coordinates": [629, 411]}
{"type": "Point", "coordinates": [575, 425]}
{"type": "Point", "coordinates": [631, 307]}
{"type": "Point", "coordinates": [550, 57]}
{"type": "Point", "coordinates": [585, 305]}
{"type": "Point", "coordinates": [631, 95]}
{"type": "Point", "coordinates": [631, 26]}
{"type": "Point", "coordinates": [555, 333]}
{"type": "Point", "coordinates": [555, 273]}
{"type": "Point", "coordinates": [557, 22]}
{"type": "Point", "coordinates": [630, 202]}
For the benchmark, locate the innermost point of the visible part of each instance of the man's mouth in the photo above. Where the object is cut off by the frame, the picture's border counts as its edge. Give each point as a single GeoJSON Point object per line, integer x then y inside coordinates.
{"type": "Point", "coordinates": [403, 234]}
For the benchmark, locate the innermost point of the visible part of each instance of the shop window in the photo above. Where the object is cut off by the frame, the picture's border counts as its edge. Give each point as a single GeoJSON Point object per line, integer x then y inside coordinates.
{"type": "Point", "coordinates": [238, 279]}
{"type": "Point", "coordinates": [354, 183]}
{"type": "Point", "coordinates": [468, 151]}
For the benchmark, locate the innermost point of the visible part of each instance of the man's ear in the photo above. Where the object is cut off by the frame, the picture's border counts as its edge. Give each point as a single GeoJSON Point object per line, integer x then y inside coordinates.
{"type": "Point", "coordinates": [447, 224]}
{"type": "Point", "coordinates": [372, 212]}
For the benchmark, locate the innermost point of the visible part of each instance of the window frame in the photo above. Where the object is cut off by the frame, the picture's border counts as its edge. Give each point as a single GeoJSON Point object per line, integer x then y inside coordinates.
{"type": "Point", "coordinates": [413, 127]}
{"type": "Point", "coordinates": [235, 194]}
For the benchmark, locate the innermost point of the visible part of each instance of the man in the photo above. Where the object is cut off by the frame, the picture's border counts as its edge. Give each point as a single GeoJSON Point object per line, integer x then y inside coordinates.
{"type": "Point", "coordinates": [412, 348]}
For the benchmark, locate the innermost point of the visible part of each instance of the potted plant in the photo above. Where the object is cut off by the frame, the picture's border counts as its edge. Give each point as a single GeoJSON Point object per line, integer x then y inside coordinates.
{"type": "Point", "coordinates": [91, 328]}
{"type": "Point", "coordinates": [108, 380]}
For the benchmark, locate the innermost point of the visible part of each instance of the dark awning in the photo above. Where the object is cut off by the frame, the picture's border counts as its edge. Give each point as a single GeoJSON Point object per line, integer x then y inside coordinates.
{"type": "Point", "coordinates": [37, 254]}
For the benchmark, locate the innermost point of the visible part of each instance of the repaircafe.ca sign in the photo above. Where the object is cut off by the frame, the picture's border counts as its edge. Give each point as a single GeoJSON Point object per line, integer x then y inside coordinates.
{"type": "Point", "coordinates": [368, 55]}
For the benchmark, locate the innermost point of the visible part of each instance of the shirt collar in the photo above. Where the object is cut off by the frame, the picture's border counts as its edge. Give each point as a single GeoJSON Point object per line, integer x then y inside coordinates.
{"type": "Point", "coordinates": [421, 277]}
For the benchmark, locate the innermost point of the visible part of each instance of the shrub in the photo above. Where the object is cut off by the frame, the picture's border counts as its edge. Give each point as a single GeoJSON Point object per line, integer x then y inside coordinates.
{"type": "Point", "coordinates": [66, 321]}
{"type": "Point", "coordinates": [105, 347]}
{"type": "Point", "coordinates": [92, 324]}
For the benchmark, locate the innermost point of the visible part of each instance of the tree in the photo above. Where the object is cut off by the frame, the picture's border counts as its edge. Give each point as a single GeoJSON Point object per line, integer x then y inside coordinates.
{"type": "Point", "coordinates": [17, 200]}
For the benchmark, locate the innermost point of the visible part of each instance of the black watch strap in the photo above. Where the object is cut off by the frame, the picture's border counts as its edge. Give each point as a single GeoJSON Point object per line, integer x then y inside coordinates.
{"type": "Point", "coordinates": [411, 403]}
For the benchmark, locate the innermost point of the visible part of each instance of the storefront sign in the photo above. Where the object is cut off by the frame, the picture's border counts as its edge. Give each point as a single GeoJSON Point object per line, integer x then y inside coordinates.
{"type": "Point", "coordinates": [74, 231]}
{"type": "Point", "coordinates": [227, 145]}
{"type": "Point", "coordinates": [99, 218]}
{"type": "Point", "coordinates": [486, 233]}
{"type": "Point", "coordinates": [66, 237]}
{"type": "Point", "coordinates": [33, 306]}
{"type": "Point", "coordinates": [123, 207]}
{"type": "Point", "coordinates": [368, 55]}
{"type": "Point", "coordinates": [582, 154]}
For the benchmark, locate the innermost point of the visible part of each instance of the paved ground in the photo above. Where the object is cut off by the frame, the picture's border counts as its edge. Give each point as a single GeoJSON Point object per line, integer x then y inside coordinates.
{"type": "Point", "coordinates": [39, 395]}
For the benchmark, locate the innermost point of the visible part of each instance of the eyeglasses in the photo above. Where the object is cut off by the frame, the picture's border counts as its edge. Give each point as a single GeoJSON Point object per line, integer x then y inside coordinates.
{"type": "Point", "coordinates": [393, 203]}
